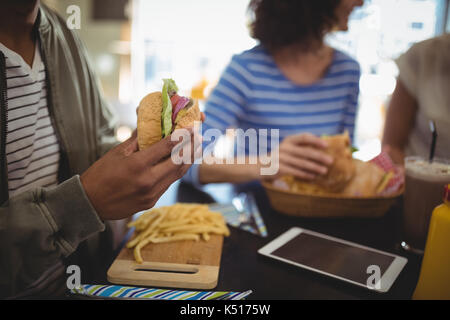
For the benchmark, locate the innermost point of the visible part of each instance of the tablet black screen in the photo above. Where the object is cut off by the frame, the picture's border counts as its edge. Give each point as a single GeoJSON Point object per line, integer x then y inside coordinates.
{"type": "Point", "coordinates": [332, 257]}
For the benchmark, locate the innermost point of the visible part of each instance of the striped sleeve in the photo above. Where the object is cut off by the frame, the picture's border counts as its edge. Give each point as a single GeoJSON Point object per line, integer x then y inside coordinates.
{"type": "Point", "coordinates": [225, 106]}
{"type": "Point", "coordinates": [352, 106]}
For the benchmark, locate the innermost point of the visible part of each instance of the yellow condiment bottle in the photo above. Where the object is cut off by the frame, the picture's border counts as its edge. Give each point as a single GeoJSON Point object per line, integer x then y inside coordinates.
{"type": "Point", "coordinates": [434, 280]}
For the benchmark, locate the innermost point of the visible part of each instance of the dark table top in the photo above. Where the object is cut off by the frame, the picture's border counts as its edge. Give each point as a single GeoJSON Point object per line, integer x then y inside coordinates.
{"type": "Point", "coordinates": [242, 268]}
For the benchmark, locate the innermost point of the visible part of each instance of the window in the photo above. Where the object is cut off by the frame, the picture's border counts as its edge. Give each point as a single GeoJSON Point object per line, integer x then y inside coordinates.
{"type": "Point", "coordinates": [379, 32]}
{"type": "Point", "coordinates": [192, 41]}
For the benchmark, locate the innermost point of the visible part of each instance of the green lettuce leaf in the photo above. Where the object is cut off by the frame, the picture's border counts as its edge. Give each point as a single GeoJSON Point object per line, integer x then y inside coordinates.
{"type": "Point", "coordinates": [166, 115]}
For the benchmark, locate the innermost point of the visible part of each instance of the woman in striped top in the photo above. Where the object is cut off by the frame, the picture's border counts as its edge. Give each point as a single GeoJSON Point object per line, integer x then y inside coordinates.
{"type": "Point", "coordinates": [292, 81]}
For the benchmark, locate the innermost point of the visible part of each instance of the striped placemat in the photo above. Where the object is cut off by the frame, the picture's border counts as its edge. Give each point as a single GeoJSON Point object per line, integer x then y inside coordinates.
{"type": "Point", "coordinates": [112, 291]}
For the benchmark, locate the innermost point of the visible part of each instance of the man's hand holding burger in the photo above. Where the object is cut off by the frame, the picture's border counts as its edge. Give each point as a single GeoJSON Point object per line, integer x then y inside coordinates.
{"type": "Point", "coordinates": [126, 180]}
{"type": "Point", "coordinates": [133, 176]}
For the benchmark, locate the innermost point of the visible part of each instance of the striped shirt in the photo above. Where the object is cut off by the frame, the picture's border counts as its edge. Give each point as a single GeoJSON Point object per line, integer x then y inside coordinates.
{"type": "Point", "coordinates": [253, 93]}
{"type": "Point", "coordinates": [32, 149]}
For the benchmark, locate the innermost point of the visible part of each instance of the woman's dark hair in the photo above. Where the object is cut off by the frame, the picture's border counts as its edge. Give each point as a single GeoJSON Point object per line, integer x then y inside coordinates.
{"type": "Point", "coordinates": [280, 23]}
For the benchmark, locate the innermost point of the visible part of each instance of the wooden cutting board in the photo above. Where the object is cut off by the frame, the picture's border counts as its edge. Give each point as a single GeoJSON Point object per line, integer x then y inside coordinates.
{"type": "Point", "coordinates": [181, 264]}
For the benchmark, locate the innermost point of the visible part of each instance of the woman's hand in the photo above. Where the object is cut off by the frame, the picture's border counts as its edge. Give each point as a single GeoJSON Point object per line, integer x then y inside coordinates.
{"type": "Point", "coordinates": [303, 157]}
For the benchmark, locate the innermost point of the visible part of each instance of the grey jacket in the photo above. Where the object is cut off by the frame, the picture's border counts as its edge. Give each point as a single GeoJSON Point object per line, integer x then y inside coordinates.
{"type": "Point", "coordinates": [42, 227]}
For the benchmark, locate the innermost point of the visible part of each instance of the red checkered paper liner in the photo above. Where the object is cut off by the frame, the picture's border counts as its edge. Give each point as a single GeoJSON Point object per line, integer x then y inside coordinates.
{"type": "Point", "coordinates": [384, 161]}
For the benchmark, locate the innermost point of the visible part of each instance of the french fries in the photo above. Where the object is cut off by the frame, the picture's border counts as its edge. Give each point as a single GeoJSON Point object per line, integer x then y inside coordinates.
{"type": "Point", "coordinates": [175, 223]}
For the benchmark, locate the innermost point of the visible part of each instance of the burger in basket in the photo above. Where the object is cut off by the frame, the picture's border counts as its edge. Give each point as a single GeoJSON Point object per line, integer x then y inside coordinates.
{"type": "Point", "coordinates": [160, 113]}
{"type": "Point", "coordinates": [347, 177]}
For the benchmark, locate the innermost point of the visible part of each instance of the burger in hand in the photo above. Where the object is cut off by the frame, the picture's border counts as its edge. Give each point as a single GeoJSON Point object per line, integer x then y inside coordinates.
{"type": "Point", "coordinates": [160, 113]}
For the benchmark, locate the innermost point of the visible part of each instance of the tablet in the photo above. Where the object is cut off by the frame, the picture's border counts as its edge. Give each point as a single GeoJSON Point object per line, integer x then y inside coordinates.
{"type": "Point", "coordinates": [363, 266]}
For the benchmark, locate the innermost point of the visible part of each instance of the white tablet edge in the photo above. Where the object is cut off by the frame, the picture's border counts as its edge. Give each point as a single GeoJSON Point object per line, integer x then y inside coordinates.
{"type": "Point", "coordinates": [386, 281]}
{"type": "Point", "coordinates": [391, 274]}
{"type": "Point", "coordinates": [279, 241]}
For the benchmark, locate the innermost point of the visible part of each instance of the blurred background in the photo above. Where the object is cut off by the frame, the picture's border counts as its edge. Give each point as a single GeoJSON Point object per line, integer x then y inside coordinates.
{"type": "Point", "coordinates": [133, 44]}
